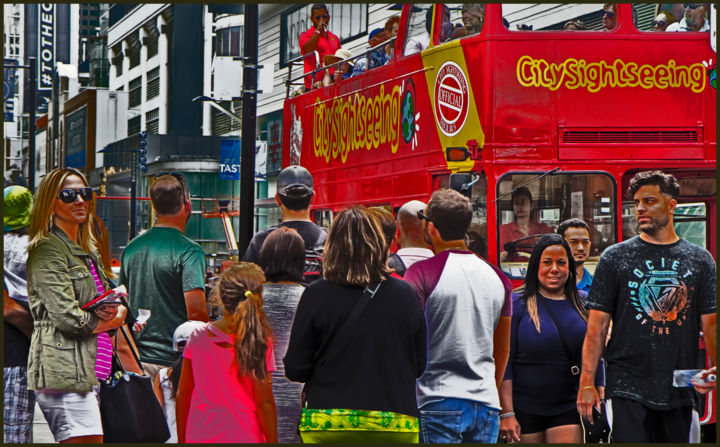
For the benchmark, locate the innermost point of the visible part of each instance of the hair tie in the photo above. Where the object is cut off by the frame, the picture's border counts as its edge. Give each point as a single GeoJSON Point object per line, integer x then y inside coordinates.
{"type": "Point", "coordinates": [248, 294]}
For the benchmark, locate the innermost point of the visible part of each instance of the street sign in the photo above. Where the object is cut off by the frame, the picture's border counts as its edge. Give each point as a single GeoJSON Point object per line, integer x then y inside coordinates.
{"type": "Point", "coordinates": [230, 159]}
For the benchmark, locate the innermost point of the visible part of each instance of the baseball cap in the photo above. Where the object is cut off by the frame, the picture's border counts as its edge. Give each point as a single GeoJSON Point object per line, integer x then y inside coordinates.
{"type": "Point", "coordinates": [182, 333]}
{"type": "Point", "coordinates": [16, 206]}
{"type": "Point", "coordinates": [375, 32]}
{"type": "Point", "coordinates": [295, 181]}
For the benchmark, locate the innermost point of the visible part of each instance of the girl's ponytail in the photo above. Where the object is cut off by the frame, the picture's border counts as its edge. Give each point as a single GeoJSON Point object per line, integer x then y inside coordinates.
{"type": "Point", "coordinates": [240, 290]}
{"type": "Point", "coordinates": [251, 337]}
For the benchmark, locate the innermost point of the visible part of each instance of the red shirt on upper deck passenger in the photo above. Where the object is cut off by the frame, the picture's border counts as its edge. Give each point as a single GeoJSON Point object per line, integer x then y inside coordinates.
{"type": "Point", "coordinates": [326, 45]}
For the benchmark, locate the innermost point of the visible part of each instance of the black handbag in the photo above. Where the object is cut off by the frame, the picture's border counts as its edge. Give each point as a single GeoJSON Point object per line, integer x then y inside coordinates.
{"type": "Point", "coordinates": [129, 410]}
{"type": "Point", "coordinates": [597, 432]}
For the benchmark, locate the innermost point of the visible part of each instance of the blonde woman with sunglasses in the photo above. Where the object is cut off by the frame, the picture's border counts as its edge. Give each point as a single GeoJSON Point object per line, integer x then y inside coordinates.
{"type": "Point", "coordinates": [70, 349]}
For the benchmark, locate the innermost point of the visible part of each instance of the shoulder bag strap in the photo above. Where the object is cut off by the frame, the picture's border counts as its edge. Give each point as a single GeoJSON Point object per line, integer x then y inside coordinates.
{"type": "Point", "coordinates": [574, 363]}
{"type": "Point", "coordinates": [132, 349]}
{"type": "Point", "coordinates": [343, 335]}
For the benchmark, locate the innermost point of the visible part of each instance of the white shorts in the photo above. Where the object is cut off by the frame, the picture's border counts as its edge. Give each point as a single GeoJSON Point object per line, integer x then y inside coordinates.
{"type": "Point", "coordinates": [70, 414]}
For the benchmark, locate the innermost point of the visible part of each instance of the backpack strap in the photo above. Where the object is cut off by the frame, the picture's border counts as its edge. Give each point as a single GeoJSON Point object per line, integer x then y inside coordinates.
{"type": "Point", "coordinates": [395, 262]}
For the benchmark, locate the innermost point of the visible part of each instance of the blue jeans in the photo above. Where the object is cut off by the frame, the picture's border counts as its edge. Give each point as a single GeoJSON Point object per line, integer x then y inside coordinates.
{"type": "Point", "coordinates": [453, 420]}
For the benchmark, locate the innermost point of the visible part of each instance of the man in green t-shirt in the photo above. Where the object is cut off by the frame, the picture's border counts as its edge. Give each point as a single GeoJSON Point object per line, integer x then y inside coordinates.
{"type": "Point", "coordinates": [164, 272]}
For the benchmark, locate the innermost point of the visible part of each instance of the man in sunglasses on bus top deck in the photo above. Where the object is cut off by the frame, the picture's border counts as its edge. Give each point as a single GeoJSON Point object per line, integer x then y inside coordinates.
{"type": "Point", "coordinates": [319, 39]}
{"type": "Point", "coordinates": [609, 18]}
{"type": "Point", "coordinates": [694, 19]}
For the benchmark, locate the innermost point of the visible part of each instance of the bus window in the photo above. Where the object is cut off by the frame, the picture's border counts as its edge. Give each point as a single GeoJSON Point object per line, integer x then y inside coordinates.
{"type": "Point", "coordinates": [466, 19]}
{"type": "Point", "coordinates": [689, 222]}
{"type": "Point", "coordinates": [560, 16]}
{"type": "Point", "coordinates": [322, 218]}
{"type": "Point", "coordinates": [417, 37]}
{"type": "Point", "coordinates": [476, 237]}
{"type": "Point", "coordinates": [669, 17]}
{"type": "Point", "coordinates": [528, 207]}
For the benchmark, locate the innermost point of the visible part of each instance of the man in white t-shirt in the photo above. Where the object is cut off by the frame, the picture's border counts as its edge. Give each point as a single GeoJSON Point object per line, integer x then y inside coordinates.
{"type": "Point", "coordinates": [467, 307]}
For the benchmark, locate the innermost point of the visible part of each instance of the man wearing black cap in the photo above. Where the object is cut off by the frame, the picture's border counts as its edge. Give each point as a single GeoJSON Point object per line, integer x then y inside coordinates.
{"type": "Point", "coordinates": [294, 192]}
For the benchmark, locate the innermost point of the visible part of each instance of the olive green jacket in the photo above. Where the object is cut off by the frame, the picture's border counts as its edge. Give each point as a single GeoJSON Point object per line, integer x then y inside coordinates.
{"type": "Point", "coordinates": [63, 347]}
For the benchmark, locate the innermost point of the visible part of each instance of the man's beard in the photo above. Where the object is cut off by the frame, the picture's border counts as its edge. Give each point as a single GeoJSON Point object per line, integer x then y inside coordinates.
{"type": "Point", "coordinates": [654, 226]}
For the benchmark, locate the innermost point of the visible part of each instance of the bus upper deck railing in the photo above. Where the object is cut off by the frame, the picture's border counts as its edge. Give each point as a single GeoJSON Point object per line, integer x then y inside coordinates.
{"type": "Point", "coordinates": [293, 81]}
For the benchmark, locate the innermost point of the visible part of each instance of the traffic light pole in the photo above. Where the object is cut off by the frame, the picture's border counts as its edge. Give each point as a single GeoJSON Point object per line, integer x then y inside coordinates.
{"type": "Point", "coordinates": [249, 110]}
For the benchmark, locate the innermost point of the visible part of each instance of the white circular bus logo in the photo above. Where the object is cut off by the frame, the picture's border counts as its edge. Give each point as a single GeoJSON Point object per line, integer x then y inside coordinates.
{"type": "Point", "coordinates": [452, 98]}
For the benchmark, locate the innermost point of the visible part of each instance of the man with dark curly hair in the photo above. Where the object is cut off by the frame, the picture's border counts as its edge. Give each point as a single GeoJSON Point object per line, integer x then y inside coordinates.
{"type": "Point", "coordinates": [659, 292]}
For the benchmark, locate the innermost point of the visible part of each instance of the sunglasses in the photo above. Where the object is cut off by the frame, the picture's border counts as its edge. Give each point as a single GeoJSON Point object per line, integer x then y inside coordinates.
{"type": "Point", "coordinates": [178, 176]}
{"type": "Point", "coordinates": [421, 216]}
{"type": "Point", "coordinates": [691, 5]}
{"type": "Point", "coordinates": [658, 23]}
{"type": "Point", "coordinates": [324, 17]}
{"type": "Point", "coordinates": [70, 195]}
{"type": "Point", "coordinates": [609, 14]}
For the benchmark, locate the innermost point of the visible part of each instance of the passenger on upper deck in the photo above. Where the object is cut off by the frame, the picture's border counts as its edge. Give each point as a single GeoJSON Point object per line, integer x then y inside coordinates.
{"type": "Point", "coordinates": [575, 25]}
{"type": "Point", "coordinates": [377, 57]}
{"type": "Point", "coordinates": [609, 18]}
{"type": "Point", "coordinates": [319, 39]}
{"type": "Point", "coordinates": [391, 30]}
{"type": "Point", "coordinates": [473, 16]}
{"type": "Point", "coordinates": [416, 44]}
{"type": "Point", "coordinates": [344, 70]}
{"type": "Point", "coordinates": [663, 20]}
{"type": "Point", "coordinates": [694, 19]}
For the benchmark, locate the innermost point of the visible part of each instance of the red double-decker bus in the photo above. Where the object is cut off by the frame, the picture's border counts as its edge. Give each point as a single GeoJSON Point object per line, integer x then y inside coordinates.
{"type": "Point", "coordinates": [570, 115]}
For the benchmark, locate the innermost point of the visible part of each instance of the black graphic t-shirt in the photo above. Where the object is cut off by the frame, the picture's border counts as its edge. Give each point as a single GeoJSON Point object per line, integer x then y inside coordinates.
{"type": "Point", "coordinates": [655, 295]}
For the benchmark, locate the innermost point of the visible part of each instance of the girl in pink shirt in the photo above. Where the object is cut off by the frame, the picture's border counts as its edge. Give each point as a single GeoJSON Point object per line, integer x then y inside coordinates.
{"type": "Point", "coordinates": [225, 391]}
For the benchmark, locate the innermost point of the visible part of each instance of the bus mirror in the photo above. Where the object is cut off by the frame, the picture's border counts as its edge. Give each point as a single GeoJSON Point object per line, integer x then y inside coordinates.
{"type": "Point", "coordinates": [459, 153]}
{"type": "Point", "coordinates": [461, 183]}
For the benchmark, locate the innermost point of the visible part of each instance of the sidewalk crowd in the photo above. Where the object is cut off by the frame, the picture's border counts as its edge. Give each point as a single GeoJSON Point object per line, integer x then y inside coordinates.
{"type": "Point", "coordinates": [330, 336]}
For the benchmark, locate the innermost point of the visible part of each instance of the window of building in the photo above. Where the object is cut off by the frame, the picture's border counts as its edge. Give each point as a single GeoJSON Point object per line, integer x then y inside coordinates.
{"type": "Point", "coordinates": [559, 16]}
{"type": "Point", "coordinates": [668, 17]}
{"type": "Point", "coordinates": [134, 58]}
{"type": "Point", "coordinates": [417, 37]}
{"type": "Point", "coordinates": [228, 41]}
{"type": "Point", "coordinates": [152, 46]}
{"type": "Point", "coordinates": [117, 63]}
{"type": "Point", "coordinates": [589, 196]}
{"type": "Point", "coordinates": [135, 92]}
{"type": "Point", "coordinates": [152, 121]}
{"type": "Point", "coordinates": [134, 125]}
{"type": "Point", "coordinates": [153, 84]}
{"type": "Point", "coordinates": [223, 124]}
{"type": "Point", "coordinates": [347, 21]}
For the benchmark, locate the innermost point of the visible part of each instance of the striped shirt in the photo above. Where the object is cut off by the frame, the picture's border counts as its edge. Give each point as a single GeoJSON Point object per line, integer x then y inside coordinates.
{"type": "Point", "coordinates": [103, 360]}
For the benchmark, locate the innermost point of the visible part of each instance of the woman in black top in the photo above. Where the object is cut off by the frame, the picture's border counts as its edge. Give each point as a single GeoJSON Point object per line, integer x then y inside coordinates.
{"type": "Point", "coordinates": [376, 368]}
